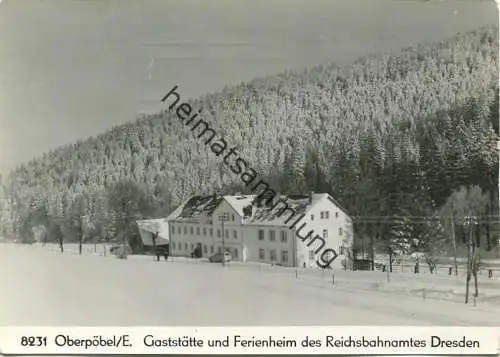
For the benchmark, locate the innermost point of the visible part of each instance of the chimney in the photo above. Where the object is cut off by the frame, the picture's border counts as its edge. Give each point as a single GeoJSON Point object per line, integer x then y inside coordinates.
{"type": "Point", "coordinates": [247, 211]}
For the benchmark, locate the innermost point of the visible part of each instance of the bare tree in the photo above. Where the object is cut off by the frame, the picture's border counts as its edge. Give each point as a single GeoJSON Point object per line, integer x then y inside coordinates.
{"type": "Point", "coordinates": [472, 257]}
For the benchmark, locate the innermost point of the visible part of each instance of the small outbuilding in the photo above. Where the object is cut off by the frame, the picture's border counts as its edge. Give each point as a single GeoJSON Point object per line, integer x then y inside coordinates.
{"type": "Point", "coordinates": [155, 236]}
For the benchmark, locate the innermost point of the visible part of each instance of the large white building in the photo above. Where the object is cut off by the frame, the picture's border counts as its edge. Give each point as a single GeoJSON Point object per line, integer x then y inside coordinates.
{"type": "Point", "coordinates": [258, 232]}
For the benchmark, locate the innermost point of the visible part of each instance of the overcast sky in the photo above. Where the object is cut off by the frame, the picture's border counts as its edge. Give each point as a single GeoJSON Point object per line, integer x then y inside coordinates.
{"type": "Point", "coordinates": [73, 68]}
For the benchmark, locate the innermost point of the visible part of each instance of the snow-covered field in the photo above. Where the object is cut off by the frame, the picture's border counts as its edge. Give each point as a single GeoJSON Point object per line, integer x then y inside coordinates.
{"type": "Point", "coordinates": [41, 286]}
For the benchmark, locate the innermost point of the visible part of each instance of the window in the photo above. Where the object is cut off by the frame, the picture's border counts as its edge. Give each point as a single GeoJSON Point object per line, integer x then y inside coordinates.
{"type": "Point", "coordinates": [284, 256]}
{"type": "Point", "coordinates": [272, 255]}
{"type": "Point", "coordinates": [185, 246]}
{"type": "Point", "coordinates": [312, 217]}
{"type": "Point", "coordinates": [325, 234]}
{"type": "Point", "coordinates": [218, 233]}
{"type": "Point", "coordinates": [232, 217]}
{"type": "Point", "coordinates": [211, 249]}
{"type": "Point", "coordinates": [340, 231]}
{"type": "Point", "coordinates": [236, 252]}
{"type": "Point", "coordinates": [179, 229]}
{"type": "Point", "coordinates": [192, 246]}
{"type": "Point", "coordinates": [211, 232]}
{"type": "Point", "coordinates": [321, 215]}
{"type": "Point", "coordinates": [272, 235]}
{"type": "Point", "coordinates": [311, 254]}
{"type": "Point", "coordinates": [197, 231]}
{"type": "Point", "coordinates": [205, 249]}
{"type": "Point", "coordinates": [173, 245]}
{"type": "Point", "coordinates": [336, 215]}
{"type": "Point", "coordinates": [262, 254]}
{"type": "Point", "coordinates": [185, 230]}
{"type": "Point", "coordinates": [219, 249]}
{"type": "Point", "coordinates": [204, 231]}
{"type": "Point", "coordinates": [283, 236]}
{"type": "Point", "coordinates": [261, 234]}
{"type": "Point", "coordinates": [191, 230]}
{"type": "Point", "coordinates": [226, 233]}
{"type": "Point", "coordinates": [327, 214]}
{"type": "Point", "coordinates": [341, 250]}
{"type": "Point", "coordinates": [235, 234]}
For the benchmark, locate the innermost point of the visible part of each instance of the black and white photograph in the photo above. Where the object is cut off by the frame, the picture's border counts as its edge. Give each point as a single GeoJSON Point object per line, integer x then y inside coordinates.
{"type": "Point", "coordinates": [249, 163]}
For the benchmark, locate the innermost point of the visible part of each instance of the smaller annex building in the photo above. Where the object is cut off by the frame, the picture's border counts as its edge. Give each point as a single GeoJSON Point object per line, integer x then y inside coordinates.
{"type": "Point", "coordinates": [150, 227]}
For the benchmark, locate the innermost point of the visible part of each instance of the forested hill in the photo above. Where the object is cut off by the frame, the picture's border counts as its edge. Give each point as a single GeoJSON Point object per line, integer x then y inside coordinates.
{"type": "Point", "coordinates": [387, 136]}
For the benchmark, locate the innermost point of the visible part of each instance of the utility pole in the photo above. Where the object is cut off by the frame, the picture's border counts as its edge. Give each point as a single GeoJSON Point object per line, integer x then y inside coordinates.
{"type": "Point", "coordinates": [223, 217]}
{"type": "Point", "coordinates": [155, 249]}
{"type": "Point", "coordinates": [475, 259]}
{"type": "Point", "coordinates": [454, 243]}
{"type": "Point", "coordinates": [467, 222]}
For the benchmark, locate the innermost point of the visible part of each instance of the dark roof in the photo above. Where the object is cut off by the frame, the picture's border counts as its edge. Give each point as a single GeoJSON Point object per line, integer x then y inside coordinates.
{"type": "Point", "coordinates": [273, 213]}
{"type": "Point", "coordinates": [200, 206]}
{"type": "Point", "coordinates": [245, 205]}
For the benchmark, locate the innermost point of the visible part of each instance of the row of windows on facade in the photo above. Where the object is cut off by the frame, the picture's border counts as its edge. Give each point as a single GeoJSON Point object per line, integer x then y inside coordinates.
{"type": "Point", "coordinates": [234, 251]}
{"type": "Point", "coordinates": [272, 234]}
{"type": "Point", "coordinates": [210, 231]}
{"type": "Point", "coordinates": [190, 247]}
{"type": "Point", "coordinates": [261, 234]}
{"type": "Point", "coordinates": [324, 215]}
{"type": "Point", "coordinates": [272, 255]}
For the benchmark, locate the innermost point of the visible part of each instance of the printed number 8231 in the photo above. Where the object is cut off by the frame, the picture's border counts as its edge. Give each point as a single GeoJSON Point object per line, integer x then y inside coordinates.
{"type": "Point", "coordinates": [34, 341]}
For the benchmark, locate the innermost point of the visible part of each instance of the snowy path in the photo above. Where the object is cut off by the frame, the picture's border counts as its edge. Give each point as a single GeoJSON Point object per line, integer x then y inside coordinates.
{"type": "Point", "coordinates": [38, 287]}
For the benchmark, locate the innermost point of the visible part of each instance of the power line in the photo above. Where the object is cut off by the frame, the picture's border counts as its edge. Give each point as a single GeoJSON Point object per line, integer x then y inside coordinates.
{"type": "Point", "coordinates": [416, 222]}
{"type": "Point", "coordinates": [392, 217]}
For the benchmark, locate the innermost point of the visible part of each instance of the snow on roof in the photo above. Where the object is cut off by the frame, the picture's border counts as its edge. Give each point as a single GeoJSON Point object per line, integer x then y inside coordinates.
{"type": "Point", "coordinates": [273, 213]}
{"type": "Point", "coordinates": [336, 203]}
{"type": "Point", "coordinates": [176, 213]}
{"type": "Point", "coordinates": [154, 225]}
{"type": "Point", "coordinates": [240, 202]}
{"type": "Point", "coordinates": [204, 206]}
{"type": "Point", "coordinates": [150, 225]}
{"type": "Point", "coordinates": [158, 225]}
{"type": "Point", "coordinates": [199, 206]}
